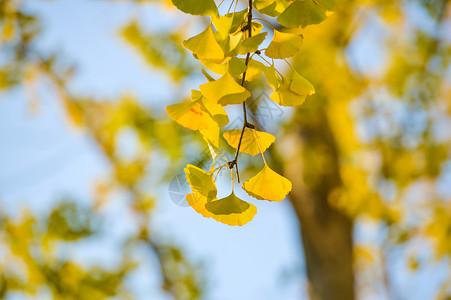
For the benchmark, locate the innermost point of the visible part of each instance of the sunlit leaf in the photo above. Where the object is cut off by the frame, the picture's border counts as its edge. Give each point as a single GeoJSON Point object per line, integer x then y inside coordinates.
{"type": "Point", "coordinates": [328, 5]}
{"type": "Point", "coordinates": [271, 77]}
{"type": "Point", "coordinates": [211, 136]}
{"type": "Point", "coordinates": [225, 91]}
{"type": "Point", "coordinates": [284, 45]}
{"type": "Point", "coordinates": [271, 8]}
{"type": "Point", "coordinates": [201, 181]}
{"type": "Point", "coordinates": [205, 46]}
{"type": "Point", "coordinates": [223, 24]}
{"type": "Point", "coordinates": [301, 13]}
{"type": "Point", "coordinates": [292, 92]}
{"type": "Point", "coordinates": [254, 70]}
{"type": "Point", "coordinates": [192, 115]}
{"type": "Point", "coordinates": [236, 66]}
{"type": "Point", "coordinates": [268, 185]}
{"type": "Point", "coordinates": [197, 7]}
{"type": "Point", "coordinates": [230, 210]}
{"type": "Point", "coordinates": [250, 45]}
{"type": "Point", "coordinates": [250, 141]}
{"type": "Point", "coordinates": [216, 111]}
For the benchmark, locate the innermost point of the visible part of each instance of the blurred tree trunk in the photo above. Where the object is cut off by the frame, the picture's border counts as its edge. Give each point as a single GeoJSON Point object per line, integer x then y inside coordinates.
{"type": "Point", "coordinates": [313, 169]}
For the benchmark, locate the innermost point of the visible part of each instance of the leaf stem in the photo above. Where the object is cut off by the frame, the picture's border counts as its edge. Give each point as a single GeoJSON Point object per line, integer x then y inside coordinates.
{"type": "Point", "coordinates": [234, 163]}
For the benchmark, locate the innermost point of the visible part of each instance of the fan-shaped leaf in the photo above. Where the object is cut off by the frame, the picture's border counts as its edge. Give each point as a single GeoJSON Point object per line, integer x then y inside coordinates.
{"type": "Point", "coordinates": [205, 46]}
{"type": "Point", "coordinates": [284, 45]}
{"type": "Point", "coordinates": [201, 181]}
{"type": "Point", "coordinates": [251, 140]}
{"type": "Point", "coordinates": [225, 91]}
{"type": "Point", "coordinates": [250, 45]}
{"type": "Point", "coordinates": [301, 13]}
{"type": "Point", "coordinates": [268, 185]}
{"type": "Point", "coordinates": [192, 115]}
{"type": "Point", "coordinates": [197, 7]}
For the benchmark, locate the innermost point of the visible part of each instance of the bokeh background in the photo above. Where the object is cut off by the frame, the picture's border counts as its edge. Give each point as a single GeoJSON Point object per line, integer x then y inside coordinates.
{"type": "Point", "coordinates": [91, 167]}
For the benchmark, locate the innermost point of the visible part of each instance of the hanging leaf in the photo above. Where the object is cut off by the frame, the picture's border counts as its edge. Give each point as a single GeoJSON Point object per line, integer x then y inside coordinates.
{"type": "Point", "coordinates": [201, 181]}
{"type": "Point", "coordinates": [236, 66]}
{"type": "Point", "coordinates": [192, 115]}
{"type": "Point", "coordinates": [292, 92]}
{"type": "Point", "coordinates": [223, 25]}
{"type": "Point", "coordinates": [284, 45]}
{"type": "Point", "coordinates": [216, 111]}
{"type": "Point", "coordinates": [301, 13]}
{"type": "Point", "coordinates": [231, 43]}
{"type": "Point", "coordinates": [197, 7]}
{"type": "Point", "coordinates": [271, 8]}
{"type": "Point", "coordinates": [254, 70]}
{"type": "Point", "coordinates": [251, 140]}
{"type": "Point", "coordinates": [230, 210]}
{"type": "Point", "coordinates": [211, 136]}
{"type": "Point", "coordinates": [205, 46]}
{"type": "Point", "coordinates": [328, 5]}
{"type": "Point", "coordinates": [271, 77]}
{"type": "Point", "coordinates": [268, 185]}
{"type": "Point", "coordinates": [225, 91]}
{"type": "Point", "coordinates": [250, 45]}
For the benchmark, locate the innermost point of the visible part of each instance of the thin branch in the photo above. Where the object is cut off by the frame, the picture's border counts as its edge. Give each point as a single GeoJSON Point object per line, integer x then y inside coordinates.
{"type": "Point", "coordinates": [234, 163]}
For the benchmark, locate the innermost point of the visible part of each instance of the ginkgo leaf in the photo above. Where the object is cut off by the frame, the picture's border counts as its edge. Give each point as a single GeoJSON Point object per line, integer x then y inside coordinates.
{"type": "Point", "coordinates": [301, 13]}
{"type": "Point", "coordinates": [268, 185]}
{"type": "Point", "coordinates": [197, 7]}
{"type": "Point", "coordinates": [223, 24]}
{"type": "Point", "coordinates": [292, 92]}
{"type": "Point", "coordinates": [256, 28]}
{"type": "Point", "coordinates": [236, 66]}
{"type": "Point", "coordinates": [195, 95]}
{"type": "Point", "coordinates": [230, 210]}
{"type": "Point", "coordinates": [271, 77]}
{"type": "Point", "coordinates": [205, 46]}
{"type": "Point", "coordinates": [250, 45]}
{"type": "Point", "coordinates": [254, 70]}
{"type": "Point", "coordinates": [231, 43]}
{"type": "Point", "coordinates": [328, 5]}
{"type": "Point", "coordinates": [192, 115]}
{"type": "Point", "coordinates": [284, 45]}
{"type": "Point", "coordinates": [301, 86]}
{"type": "Point", "coordinates": [216, 111]}
{"type": "Point", "coordinates": [211, 136]}
{"type": "Point", "coordinates": [271, 8]}
{"type": "Point", "coordinates": [201, 181]}
{"type": "Point", "coordinates": [251, 140]}
{"type": "Point", "coordinates": [225, 91]}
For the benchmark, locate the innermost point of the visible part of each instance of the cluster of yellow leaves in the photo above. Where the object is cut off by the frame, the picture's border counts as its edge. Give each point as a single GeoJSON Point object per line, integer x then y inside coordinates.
{"type": "Point", "coordinates": [218, 47]}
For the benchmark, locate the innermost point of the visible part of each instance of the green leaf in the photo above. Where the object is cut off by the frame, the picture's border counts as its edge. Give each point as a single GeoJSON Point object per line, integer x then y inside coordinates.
{"type": "Point", "coordinates": [225, 91]}
{"type": "Point", "coordinates": [205, 46]}
{"type": "Point", "coordinates": [284, 45]}
{"type": "Point", "coordinates": [197, 7]}
{"type": "Point", "coordinates": [250, 45]}
{"type": "Point", "coordinates": [301, 13]}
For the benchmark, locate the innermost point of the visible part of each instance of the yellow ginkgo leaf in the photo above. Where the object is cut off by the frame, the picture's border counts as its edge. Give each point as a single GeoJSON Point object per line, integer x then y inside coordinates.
{"type": "Point", "coordinates": [250, 45]}
{"type": "Point", "coordinates": [271, 77]}
{"type": "Point", "coordinates": [201, 181]}
{"type": "Point", "coordinates": [211, 136]}
{"type": "Point", "coordinates": [292, 92]}
{"type": "Point", "coordinates": [216, 111]}
{"type": "Point", "coordinates": [192, 115]}
{"type": "Point", "coordinates": [205, 46]}
{"type": "Point", "coordinates": [284, 45]}
{"type": "Point", "coordinates": [230, 210]}
{"type": "Point", "coordinates": [268, 185]}
{"type": "Point", "coordinates": [231, 43]}
{"type": "Point", "coordinates": [271, 8]}
{"type": "Point", "coordinates": [223, 24]}
{"type": "Point", "coordinates": [254, 70]}
{"type": "Point", "coordinates": [252, 141]}
{"type": "Point", "coordinates": [225, 91]}
{"type": "Point", "coordinates": [197, 7]}
{"type": "Point", "coordinates": [300, 85]}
